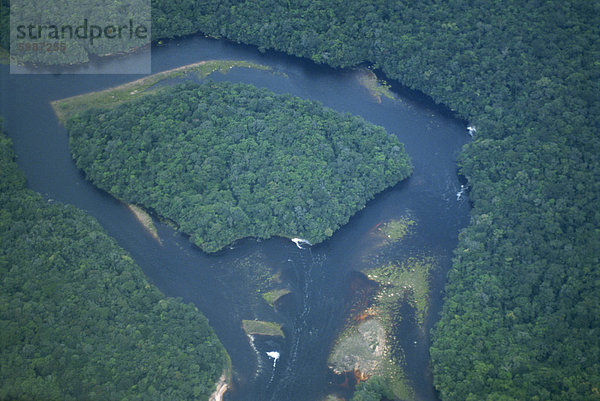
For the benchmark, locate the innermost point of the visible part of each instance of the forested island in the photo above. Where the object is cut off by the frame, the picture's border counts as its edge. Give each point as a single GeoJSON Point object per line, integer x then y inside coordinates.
{"type": "Point", "coordinates": [79, 321]}
{"type": "Point", "coordinates": [520, 319]}
{"type": "Point", "coordinates": [227, 161]}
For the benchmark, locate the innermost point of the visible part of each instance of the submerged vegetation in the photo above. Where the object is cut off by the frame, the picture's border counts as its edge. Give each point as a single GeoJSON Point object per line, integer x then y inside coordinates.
{"type": "Point", "coordinates": [396, 230]}
{"type": "Point", "coordinates": [406, 281]}
{"type": "Point", "coordinates": [360, 349]}
{"type": "Point", "coordinates": [227, 161]}
{"type": "Point", "coordinates": [376, 389]}
{"type": "Point", "coordinates": [78, 318]}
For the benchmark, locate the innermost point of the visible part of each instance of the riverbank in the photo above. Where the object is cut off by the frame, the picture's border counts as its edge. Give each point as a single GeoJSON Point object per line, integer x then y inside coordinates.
{"type": "Point", "coordinates": [376, 87]}
{"type": "Point", "coordinates": [222, 387]}
{"type": "Point", "coordinates": [145, 219]}
{"type": "Point", "coordinates": [536, 104]}
{"type": "Point", "coordinates": [95, 306]}
{"type": "Point", "coordinates": [111, 97]}
{"type": "Point", "coordinates": [209, 121]}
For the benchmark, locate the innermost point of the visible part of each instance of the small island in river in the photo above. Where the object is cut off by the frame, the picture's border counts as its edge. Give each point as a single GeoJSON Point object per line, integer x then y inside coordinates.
{"type": "Point", "coordinates": [258, 327]}
{"type": "Point", "coordinates": [227, 161]}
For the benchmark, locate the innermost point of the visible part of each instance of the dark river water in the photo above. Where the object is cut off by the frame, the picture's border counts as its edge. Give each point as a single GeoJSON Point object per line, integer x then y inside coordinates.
{"type": "Point", "coordinates": [323, 279]}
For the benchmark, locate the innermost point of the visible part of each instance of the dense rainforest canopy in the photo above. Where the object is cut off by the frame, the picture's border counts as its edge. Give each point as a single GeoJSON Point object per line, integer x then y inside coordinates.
{"type": "Point", "coordinates": [78, 320]}
{"type": "Point", "coordinates": [227, 161]}
{"type": "Point", "coordinates": [522, 313]}
{"type": "Point", "coordinates": [521, 317]}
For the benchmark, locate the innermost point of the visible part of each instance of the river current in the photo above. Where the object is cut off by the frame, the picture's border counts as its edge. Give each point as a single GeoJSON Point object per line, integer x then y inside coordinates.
{"type": "Point", "coordinates": [323, 279]}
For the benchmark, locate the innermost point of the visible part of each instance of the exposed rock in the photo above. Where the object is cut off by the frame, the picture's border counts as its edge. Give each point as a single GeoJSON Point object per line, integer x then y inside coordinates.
{"type": "Point", "coordinates": [362, 350]}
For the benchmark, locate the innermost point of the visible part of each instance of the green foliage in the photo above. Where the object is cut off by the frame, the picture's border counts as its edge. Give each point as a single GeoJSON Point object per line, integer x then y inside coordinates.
{"type": "Point", "coordinates": [531, 315]}
{"type": "Point", "coordinates": [4, 24]}
{"type": "Point", "coordinates": [11, 178]}
{"type": "Point", "coordinates": [272, 296]}
{"type": "Point", "coordinates": [521, 313]}
{"type": "Point", "coordinates": [374, 389]}
{"type": "Point", "coordinates": [227, 161]}
{"type": "Point", "coordinates": [78, 320]}
{"type": "Point", "coordinates": [258, 327]}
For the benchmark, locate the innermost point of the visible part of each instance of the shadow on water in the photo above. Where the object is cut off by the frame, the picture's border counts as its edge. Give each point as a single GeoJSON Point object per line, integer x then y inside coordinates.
{"type": "Point", "coordinates": [320, 279]}
{"type": "Point", "coordinates": [416, 356]}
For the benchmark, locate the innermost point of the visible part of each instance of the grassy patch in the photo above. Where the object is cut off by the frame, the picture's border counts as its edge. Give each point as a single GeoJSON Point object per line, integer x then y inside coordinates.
{"type": "Point", "coordinates": [272, 296]}
{"type": "Point", "coordinates": [69, 107]}
{"type": "Point", "coordinates": [258, 327]}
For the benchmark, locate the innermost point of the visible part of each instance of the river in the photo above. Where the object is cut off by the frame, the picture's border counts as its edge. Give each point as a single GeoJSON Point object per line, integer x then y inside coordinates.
{"type": "Point", "coordinates": [322, 279]}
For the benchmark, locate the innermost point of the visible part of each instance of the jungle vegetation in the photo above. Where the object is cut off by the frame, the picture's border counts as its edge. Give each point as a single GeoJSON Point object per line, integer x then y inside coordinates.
{"type": "Point", "coordinates": [227, 161]}
{"type": "Point", "coordinates": [522, 313]}
{"type": "Point", "coordinates": [78, 319]}
{"type": "Point", "coordinates": [522, 302]}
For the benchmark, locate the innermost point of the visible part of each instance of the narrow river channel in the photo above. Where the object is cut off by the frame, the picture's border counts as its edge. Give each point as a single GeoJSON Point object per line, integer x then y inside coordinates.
{"type": "Point", "coordinates": [322, 279]}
